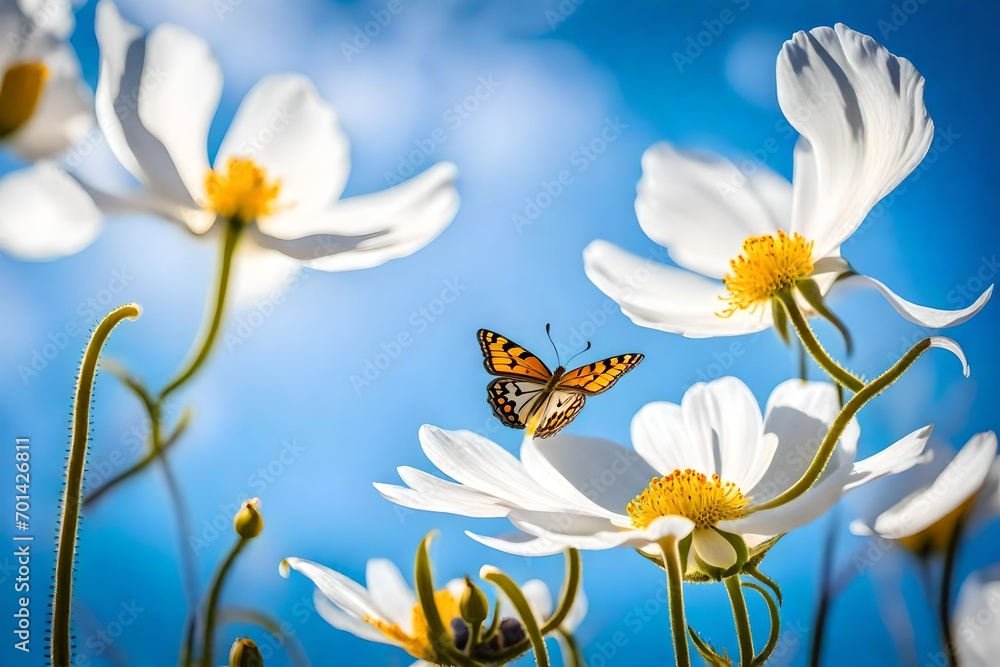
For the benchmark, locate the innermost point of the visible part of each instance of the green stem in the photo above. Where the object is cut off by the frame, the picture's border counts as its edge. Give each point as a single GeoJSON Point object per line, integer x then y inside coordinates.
{"type": "Point", "coordinates": [772, 640]}
{"type": "Point", "coordinates": [944, 601]}
{"type": "Point", "coordinates": [567, 598]}
{"type": "Point", "coordinates": [825, 594]}
{"type": "Point", "coordinates": [675, 592]}
{"type": "Point", "coordinates": [572, 657]}
{"type": "Point", "coordinates": [844, 417]}
{"type": "Point", "coordinates": [211, 609]}
{"type": "Point", "coordinates": [741, 618]}
{"type": "Point", "coordinates": [839, 374]}
{"type": "Point", "coordinates": [524, 611]}
{"type": "Point", "coordinates": [62, 594]}
{"type": "Point", "coordinates": [439, 637]}
{"type": "Point", "coordinates": [229, 241]}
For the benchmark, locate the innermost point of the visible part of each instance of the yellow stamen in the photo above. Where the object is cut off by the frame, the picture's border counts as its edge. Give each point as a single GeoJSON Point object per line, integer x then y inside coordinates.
{"type": "Point", "coordinates": [935, 538]}
{"type": "Point", "coordinates": [766, 265]}
{"type": "Point", "coordinates": [241, 191]}
{"type": "Point", "coordinates": [19, 94]}
{"type": "Point", "coordinates": [418, 643]}
{"type": "Point", "coordinates": [705, 500]}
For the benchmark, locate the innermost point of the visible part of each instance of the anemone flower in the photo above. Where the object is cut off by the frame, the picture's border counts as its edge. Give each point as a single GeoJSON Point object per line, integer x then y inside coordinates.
{"type": "Point", "coordinates": [279, 171]}
{"type": "Point", "coordinates": [44, 109]}
{"type": "Point", "coordinates": [386, 611]}
{"type": "Point", "coordinates": [705, 468]}
{"type": "Point", "coordinates": [744, 236]}
{"type": "Point", "coordinates": [921, 507]}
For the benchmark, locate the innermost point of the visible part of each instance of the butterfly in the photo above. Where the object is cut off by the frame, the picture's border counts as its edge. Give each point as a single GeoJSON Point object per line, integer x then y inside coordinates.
{"type": "Point", "coordinates": [528, 395]}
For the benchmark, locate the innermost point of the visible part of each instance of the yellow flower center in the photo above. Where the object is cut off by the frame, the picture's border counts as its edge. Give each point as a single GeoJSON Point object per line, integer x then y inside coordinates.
{"type": "Point", "coordinates": [705, 500]}
{"type": "Point", "coordinates": [935, 538]}
{"type": "Point", "coordinates": [417, 643]}
{"type": "Point", "coordinates": [767, 264]}
{"type": "Point", "coordinates": [241, 191]}
{"type": "Point", "coordinates": [19, 94]}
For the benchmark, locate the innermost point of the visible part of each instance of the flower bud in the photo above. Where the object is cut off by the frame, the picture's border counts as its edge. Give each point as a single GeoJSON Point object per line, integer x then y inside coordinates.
{"type": "Point", "coordinates": [248, 522]}
{"type": "Point", "coordinates": [245, 654]}
{"type": "Point", "coordinates": [474, 605]}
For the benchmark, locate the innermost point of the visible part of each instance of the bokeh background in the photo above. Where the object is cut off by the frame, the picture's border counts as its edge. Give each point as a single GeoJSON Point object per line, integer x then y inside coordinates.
{"type": "Point", "coordinates": [560, 71]}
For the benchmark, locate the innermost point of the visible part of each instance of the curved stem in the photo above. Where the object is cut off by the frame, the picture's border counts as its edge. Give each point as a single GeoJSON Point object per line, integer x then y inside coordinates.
{"type": "Point", "coordinates": [741, 618]}
{"type": "Point", "coordinates": [567, 599]}
{"type": "Point", "coordinates": [571, 649]}
{"type": "Point", "coordinates": [839, 374]}
{"type": "Point", "coordinates": [439, 637]}
{"type": "Point", "coordinates": [844, 417]}
{"type": "Point", "coordinates": [229, 241]}
{"type": "Point", "coordinates": [772, 639]}
{"type": "Point", "coordinates": [944, 601]}
{"type": "Point", "coordinates": [524, 611]}
{"type": "Point", "coordinates": [211, 609]}
{"type": "Point", "coordinates": [62, 594]}
{"type": "Point", "coordinates": [675, 591]}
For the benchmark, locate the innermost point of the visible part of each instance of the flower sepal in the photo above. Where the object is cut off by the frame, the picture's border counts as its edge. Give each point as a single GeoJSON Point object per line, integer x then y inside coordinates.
{"type": "Point", "coordinates": [716, 573]}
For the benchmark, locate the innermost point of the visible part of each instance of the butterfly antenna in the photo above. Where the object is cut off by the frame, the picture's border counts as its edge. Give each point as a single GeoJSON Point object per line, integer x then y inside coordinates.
{"type": "Point", "coordinates": [548, 332]}
{"type": "Point", "coordinates": [579, 353]}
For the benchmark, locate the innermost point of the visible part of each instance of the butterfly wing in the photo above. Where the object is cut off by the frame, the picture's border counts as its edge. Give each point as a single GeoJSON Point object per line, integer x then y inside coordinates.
{"type": "Point", "coordinates": [599, 376]}
{"type": "Point", "coordinates": [514, 401]}
{"type": "Point", "coordinates": [560, 409]}
{"type": "Point", "coordinates": [505, 358]}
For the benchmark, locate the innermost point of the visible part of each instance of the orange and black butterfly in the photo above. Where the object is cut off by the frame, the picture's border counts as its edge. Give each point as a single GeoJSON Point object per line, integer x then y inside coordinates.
{"type": "Point", "coordinates": [529, 395]}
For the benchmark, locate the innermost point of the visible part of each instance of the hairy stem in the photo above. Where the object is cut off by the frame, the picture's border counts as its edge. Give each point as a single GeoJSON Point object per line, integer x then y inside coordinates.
{"type": "Point", "coordinates": [837, 372]}
{"type": "Point", "coordinates": [211, 609]}
{"type": "Point", "coordinates": [62, 595]}
{"type": "Point", "coordinates": [741, 618]}
{"type": "Point", "coordinates": [675, 590]}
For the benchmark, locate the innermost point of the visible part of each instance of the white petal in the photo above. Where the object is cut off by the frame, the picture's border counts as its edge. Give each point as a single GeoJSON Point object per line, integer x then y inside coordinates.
{"type": "Point", "coordinates": [486, 467]}
{"type": "Point", "coordinates": [713, 548]}
{"type": "Point", "coordinates": [577, 612]}
{"type": "Point", "coordinates": [539, 599]}
{"type": "Point", "coordinates": [799, 414]}
{"type": "Point", "coordinates": [341, 620]}
{"type": "Point", "coordinates": [954, 348]}
{"type": "Point", "coordinates": [285, 127]}
{"type": "Point", "coordinates": [603, 472]}
{"type": "Point", "coordinates": [960, 479]}
{"type": "Point", "coordinates": [340, 590]}
{"type": "Point", "coordinates": [431, 494]}
{"type": "Point", "coordinates": [596, 533]}
{"type": "Point", "coordinates": [64, 113]}
{"type": "Point", "coordinates": [260, 276]}
{"type": "Point", "coordinates": [734, 417]}
{"type": "Point", "coordinates": [661, 437]}
{"type": "Point", "coordinates": [395, 222]}
{"type": "Point", "coordinates": [520, 544]}
{"type": "Point", "coordinates": [922, 315]}
{"type": "Point", "coordinates": [976, 624]}
{"type": "Point", "coordinates": [661, 297]}
{"type": "Point", "coordinates": [45, 214]}
{"type": "Point", "coordinates": [987, 504]}
{"type": "Point", "coordinates": [702, 208]}
{"type": "Point", "coordinates": [390, 592]}
{"type": "Point", "coordinates": [155, 99]}
{"type": "Point", "coordinates": [864, 128]}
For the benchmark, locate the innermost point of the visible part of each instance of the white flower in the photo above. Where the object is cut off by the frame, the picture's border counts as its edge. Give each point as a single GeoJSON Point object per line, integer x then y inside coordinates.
{"type": "Point", "coordinates": [44, 108]}
{"type": "Point", "coordinates": [743, 234]}
{"type": "Point", "coordinates": [976, 624]}
{"type": "Point", "coordinates": [712, 460]}
{"type": "Point", "coordinates": [920, 508]}
{"type": "Point", "coordinates": [386, 610]}
{"type": "Point", "coordinates": [279, 171]}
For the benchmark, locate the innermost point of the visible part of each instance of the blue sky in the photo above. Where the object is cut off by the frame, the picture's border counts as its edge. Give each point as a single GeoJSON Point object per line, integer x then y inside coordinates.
{"type": "Point", "coordinates": [515, 94]}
